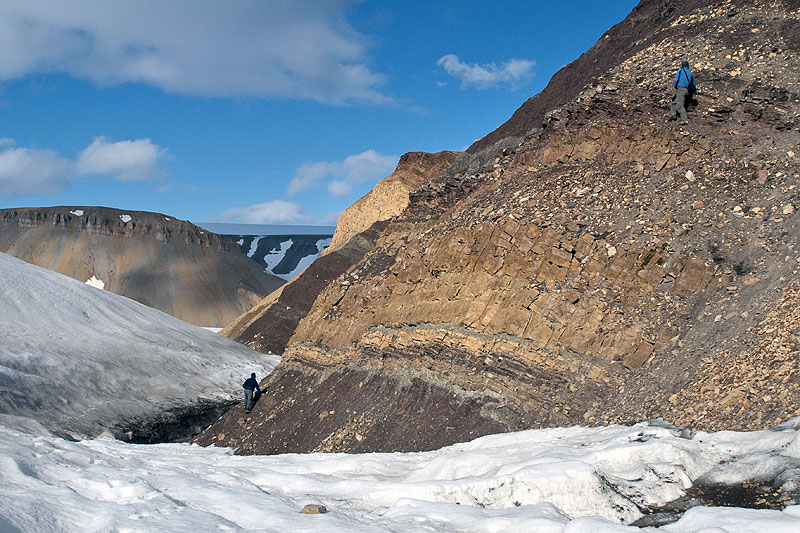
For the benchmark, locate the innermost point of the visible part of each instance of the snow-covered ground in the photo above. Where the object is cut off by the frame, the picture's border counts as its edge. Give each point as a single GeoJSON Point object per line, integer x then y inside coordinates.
{"type": "Point", "coordinates": [569, 480]}
{"type": "Point", "coordinates": [80, 361]}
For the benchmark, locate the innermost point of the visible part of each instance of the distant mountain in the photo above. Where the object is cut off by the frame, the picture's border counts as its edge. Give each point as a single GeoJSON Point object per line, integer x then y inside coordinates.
{"type": "Point", "coordinates": [169, 264]}
{"type": "Point", "coordinates": [82, 361]}
{"type": "Point", "coordinates": [284, 251]}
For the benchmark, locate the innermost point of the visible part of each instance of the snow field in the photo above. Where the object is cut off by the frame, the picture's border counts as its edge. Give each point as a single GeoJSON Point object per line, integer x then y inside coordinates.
{"type": "Point", "coordinates": [571, 480]}
{"type": "Point", "coordinates": [81, 361]}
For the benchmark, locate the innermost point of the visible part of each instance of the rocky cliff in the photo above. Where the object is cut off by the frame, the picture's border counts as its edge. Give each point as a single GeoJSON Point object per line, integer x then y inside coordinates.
{"type": "Point", "coordinates": [604, 266]}
{"type": "Point", "coordinates": [390, 196]}
{"type": "Point", "coordinates": [269, 325]}
{"type": "Point", "coordinates": [171, 265]}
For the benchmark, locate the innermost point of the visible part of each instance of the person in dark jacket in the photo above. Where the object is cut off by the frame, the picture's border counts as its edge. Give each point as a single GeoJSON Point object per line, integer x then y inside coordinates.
{"type": "Point", "coordinates": [250, 386]}
{"type": "Point", "coordinates": [684, 87]}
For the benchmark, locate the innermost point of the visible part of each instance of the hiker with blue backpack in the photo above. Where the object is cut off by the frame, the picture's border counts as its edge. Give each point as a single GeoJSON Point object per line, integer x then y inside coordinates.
{"type": "Point", "coordinates": [684, 87]}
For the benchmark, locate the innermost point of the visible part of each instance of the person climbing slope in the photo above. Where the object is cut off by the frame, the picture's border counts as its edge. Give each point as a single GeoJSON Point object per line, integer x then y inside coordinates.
{"type": "Point", "coordinates": [684, 87]}
{"type": "Point", "coordinates": [250, 385]}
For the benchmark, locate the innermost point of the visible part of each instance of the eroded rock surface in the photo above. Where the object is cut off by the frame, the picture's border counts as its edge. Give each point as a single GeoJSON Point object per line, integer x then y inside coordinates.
{"type": "Point", "coordinates": [607, 266]}
{"type": "Point", "coordinates": [390, 196]}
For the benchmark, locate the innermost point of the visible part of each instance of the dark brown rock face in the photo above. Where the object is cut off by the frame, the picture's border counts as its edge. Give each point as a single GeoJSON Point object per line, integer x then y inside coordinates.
{"type": "Point", "coordinates": [171, 265]}
{"type": "Point", "coordinates": [608, 267]}
{"type": "Point", "coordinates": [646, 25]}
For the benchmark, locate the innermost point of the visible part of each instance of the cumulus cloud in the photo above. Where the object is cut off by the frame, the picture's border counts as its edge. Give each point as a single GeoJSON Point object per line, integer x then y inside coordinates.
{"type": "Point", "coordinates": [515, 72]}
{"type": "Point", "coordinates": [272, 212]}
{"type": "Point", "coordinates": [31, 171]}
{"type": "Point", "coordinates": [26, 171]}
{"type": "Point", "coordinates": [358, 168]}
{"type": "Point", "coordinates": [302, 49]}
{"type": "Point", "coordinates": [126, 160]}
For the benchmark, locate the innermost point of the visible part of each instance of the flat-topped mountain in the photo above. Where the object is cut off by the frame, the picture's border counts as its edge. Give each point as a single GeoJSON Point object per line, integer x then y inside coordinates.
{"type": "Point", "coordinates": [169, 264]}
{"type": "Point", "coordinates": [587, 263]}
{"type": "Point", "coordinates": [282, 250]}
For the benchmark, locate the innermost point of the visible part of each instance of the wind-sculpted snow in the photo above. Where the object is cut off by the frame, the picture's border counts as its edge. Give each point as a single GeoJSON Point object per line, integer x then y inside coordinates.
{"type": "Point", "coordinates": [569, 480]}
{"type": "Point", "coordinates": [82, 361]}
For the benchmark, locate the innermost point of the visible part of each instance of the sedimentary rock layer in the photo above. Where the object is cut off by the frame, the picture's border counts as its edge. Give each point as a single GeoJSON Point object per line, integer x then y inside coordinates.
{"type": "Point", "coordinates": [390, 196]}
{"type": "Point", "coordinates": [608, 267]}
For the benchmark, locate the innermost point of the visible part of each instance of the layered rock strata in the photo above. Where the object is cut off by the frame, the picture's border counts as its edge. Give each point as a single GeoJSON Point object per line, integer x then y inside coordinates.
{"type": "Point", "coordinates": [390, 196]}
{"type": "Point", "coordinates": [609, 267]}
{"type": "Point", "coordinates": [269, 325]}
{"type": "Point", "coordinates": [165, 263]}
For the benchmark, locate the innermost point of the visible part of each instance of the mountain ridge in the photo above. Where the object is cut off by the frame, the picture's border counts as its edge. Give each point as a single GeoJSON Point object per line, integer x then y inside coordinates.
{"type": "Point", "coordinates": [166, 263]}
{"type": "Point", "coordinates": [607, 267]}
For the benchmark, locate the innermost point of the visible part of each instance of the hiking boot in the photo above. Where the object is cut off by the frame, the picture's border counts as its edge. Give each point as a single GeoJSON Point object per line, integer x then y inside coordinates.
{"type": "Point", "coordinates": [683, 122]}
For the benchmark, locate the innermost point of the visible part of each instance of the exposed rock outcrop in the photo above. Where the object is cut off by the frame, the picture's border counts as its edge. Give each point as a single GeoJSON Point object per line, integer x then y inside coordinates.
{"type": "Point", "coordinates": [390, 196]}
{"type": "Point", "coordinates": [171, 265]}
{"type": "Point", "coordinates": [609, 266]}
{"type": "Point", "coordinates": [269, 325]}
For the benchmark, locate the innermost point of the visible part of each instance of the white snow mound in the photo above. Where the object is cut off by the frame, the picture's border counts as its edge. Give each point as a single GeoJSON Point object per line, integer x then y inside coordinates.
{"type": "Point", "coordinates": [81, 361]}
{"type": "Point", "coordinates": [572, 480]}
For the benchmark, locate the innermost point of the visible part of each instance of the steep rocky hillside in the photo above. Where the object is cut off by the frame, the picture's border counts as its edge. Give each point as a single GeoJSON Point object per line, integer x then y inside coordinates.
{"type": "Point", "coordinates": [269, 325]}
{"type": "Point", "coordinates": [608, 266]}
{"type": "Point", "coordinates": [171, 265]}
{"type": "Point", "coordinates": [390, 196]}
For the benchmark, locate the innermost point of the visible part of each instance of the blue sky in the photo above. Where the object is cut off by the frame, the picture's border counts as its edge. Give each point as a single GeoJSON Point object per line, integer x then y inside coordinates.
{"type": "Point", "coordinates": [260, 111]}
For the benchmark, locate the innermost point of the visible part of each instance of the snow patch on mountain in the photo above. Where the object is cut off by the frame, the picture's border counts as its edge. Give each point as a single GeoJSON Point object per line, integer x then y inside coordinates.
{"type": "Point", "coordinates": [125, 218]}
{"type": "Point", "coordinates": [82, 362]}
{"type": "Point", "coordinates": [561, 480]}
{"type": "Point", "coordinates": [306, 261]}
{"type": "Point", "coordinates": [96, 283]}
{"type": "Point", "coordinates": [284, 251]}
{"type": "Point", "coordinates": [275, 256]}
{"type": "Point", "coordinates": [253, 246]}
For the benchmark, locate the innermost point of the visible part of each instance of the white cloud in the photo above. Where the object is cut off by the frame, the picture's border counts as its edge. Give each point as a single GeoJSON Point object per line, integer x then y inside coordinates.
{"type": "Point", "coordinates": [514, 72]}
{"type": "Point", "coordinates": [339, 189]}
{"type": "Point", "coordinates": [272, 212]}
{"type": "Point", "coordinates": [301, 49]}
{"type": "Point", "coordinates": [358, 168]}
{"type": "Point", "coordinates": [126, 160]}
{"type": "Point", "coordinates": [31, 171]}
{"type": "Point", "coordinates": [26, 171]}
